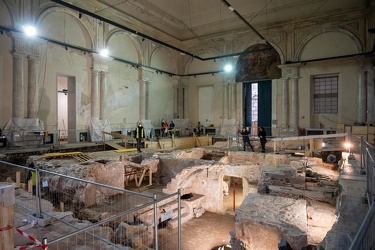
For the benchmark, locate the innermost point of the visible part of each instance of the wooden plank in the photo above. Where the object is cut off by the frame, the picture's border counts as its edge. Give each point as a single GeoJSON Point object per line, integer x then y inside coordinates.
{"type": "Point", "coordinates": [7, 217]}
{"type": "Point", "coordinates": [55, 155]}
{"type": "Point", "coordinates": [114, 145]}
{"type": "Point", "coordinates": [184, 143]}
{"type": "Point", "coordinates": [309, 137]}
{"type": "Point", "coordinates": [125, 150]}
{"type": "Point", "coordinates": [18, 179]}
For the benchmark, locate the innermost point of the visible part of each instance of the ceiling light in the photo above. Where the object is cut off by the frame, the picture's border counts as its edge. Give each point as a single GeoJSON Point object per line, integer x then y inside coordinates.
{"type": "Point", "coordinates": [228, 68]}
{"type": "Point", "coordinates": [29, 30]}
{"type": "Point", "coordinates": [104, 52]}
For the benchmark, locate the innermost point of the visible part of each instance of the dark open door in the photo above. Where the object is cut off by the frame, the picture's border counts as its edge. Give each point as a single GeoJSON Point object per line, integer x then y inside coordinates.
{"type": "Point", "coordinates": [258, 105]}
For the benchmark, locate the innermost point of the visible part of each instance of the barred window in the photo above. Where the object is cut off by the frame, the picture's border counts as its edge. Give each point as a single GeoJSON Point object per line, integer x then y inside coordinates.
{"type": "Point", "coordinates": [325, 95]}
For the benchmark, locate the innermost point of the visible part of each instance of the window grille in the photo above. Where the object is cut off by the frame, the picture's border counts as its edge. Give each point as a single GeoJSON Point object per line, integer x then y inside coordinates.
{"type": "Point", "coordinates": [325, 95]}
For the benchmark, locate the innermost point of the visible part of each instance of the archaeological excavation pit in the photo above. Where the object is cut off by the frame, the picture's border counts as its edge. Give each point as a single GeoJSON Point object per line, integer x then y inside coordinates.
{"type": "Point", "coordinates": [271, 197]}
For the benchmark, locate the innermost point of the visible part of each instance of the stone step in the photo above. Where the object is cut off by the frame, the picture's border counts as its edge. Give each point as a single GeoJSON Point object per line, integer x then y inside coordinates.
{"type": "Point", "coordinates": [173, 223]}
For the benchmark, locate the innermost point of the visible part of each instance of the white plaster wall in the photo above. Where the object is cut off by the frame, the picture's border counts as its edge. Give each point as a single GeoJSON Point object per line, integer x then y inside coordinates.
{"type": "Point", "coordinates": [123, 85]}
{"type": "Point", "coordinates": [347, 70]}
{"type": "Point", "coordinates": [195, 82]}
{"type": "Point", "coordinates": [161, 88]}
{"type": "Point", "coordinates": [6, 69]}
{"type": "Point", "coordinates": [328, 44]}
{"type": "Point", "coordinates": [122, 102]}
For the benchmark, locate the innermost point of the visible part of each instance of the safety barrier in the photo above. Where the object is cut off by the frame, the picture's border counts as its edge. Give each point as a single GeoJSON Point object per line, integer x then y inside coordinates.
{"type": "Point", "coordinates": [364, 153]}
{"type": "Point", "coordinates": [85, 214]}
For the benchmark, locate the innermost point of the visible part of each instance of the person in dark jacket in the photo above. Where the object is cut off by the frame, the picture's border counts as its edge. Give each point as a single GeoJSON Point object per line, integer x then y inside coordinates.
{"type": "Point", "coordinates": [262, 137]}
{"type": "Point", "coordinates": [246, 139]}
{"type": "Point", "coordinates": [139, 135]}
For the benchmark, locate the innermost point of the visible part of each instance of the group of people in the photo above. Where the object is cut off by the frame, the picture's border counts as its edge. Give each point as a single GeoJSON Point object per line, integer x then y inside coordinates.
{"type": "Point", "coordinates": [167, 129]}
{"type": "Point", "coordinates": [246, 139]}
{"type": "Point", "coordinates": [139, 135]}
{"type": "Point", "coordinates": [139, 132]}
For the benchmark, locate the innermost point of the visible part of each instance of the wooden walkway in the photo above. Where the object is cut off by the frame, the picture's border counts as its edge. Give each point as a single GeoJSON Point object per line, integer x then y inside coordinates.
{"type": "Point", "coordinates": [114, 145]}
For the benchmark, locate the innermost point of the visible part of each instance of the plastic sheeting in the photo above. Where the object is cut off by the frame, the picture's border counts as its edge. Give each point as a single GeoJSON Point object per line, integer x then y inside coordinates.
{"type": "Point", "coordinates": [96, 128]}
{"type": "Point", "coordinates": [183, 126]}
{"type": "Point", "coordinates": [229, 127]}
{"type": "Point", "coordinates": [149, 128]}
{"type": "Point", "coordinates": [24, 131]}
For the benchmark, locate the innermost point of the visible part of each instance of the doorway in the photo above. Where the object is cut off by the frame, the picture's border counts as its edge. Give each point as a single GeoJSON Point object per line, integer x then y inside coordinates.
{"type": "Point", "coordinates": [206, 101]}
{"type": "Point", "coordinates": [258, 105]}
{"type": "Point", "coordinates": [232, 193]}
{"type": "Point", "coordinates": [66, 108]}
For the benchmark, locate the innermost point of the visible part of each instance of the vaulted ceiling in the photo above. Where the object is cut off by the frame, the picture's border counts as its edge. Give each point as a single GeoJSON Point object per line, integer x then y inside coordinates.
{"type": "Point", "coordinates": [193, 19]}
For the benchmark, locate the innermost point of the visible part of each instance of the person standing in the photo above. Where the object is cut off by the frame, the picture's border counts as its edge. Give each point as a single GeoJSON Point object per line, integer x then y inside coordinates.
{"type": "Point", "coordinates": [139, 135]}
{"type": "Point", "coordinates": [246, 139]}
{"type": "Point", "coordinates": [31, 176]}
{"type": "Point", "coordinates": [262, 136]}
{"type": "Point", "coordinates": [199, 129]}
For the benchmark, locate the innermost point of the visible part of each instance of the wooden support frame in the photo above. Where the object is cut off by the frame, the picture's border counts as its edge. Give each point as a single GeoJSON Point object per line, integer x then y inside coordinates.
{"type": "Point", "coordinates": [138, 174]}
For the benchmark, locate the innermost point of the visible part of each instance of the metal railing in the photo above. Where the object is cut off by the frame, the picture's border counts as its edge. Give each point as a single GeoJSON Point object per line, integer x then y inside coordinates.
{"type": "Point", "coordinates": [364, 153]}
{"type": "Point", "coordinates": [101, 212]}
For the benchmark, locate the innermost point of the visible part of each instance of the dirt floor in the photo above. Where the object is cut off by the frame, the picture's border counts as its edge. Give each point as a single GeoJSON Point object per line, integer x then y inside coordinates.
{"type": "Point", "coordinates": [204, 233]}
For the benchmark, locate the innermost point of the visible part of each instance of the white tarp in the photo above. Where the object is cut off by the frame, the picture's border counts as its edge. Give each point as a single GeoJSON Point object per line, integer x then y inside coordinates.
{"type": "Point", "coordinates": [149, 128]}
{"type": "Point", "coordinates": [24, 131]}
{"type": "Point", "coordinates": [229, 127]}
{"type": "Point", "coordinates": [96, 128]}
{"type": "Point", "coordinates": [183, 126]}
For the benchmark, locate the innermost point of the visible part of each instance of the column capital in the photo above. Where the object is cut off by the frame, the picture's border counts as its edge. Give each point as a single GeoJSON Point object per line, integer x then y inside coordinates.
{"type": "Point", "coordinates": [289, 70]}
{"type": "Point", "coordinates": [99, 62]}
{"type": "Point", "coordinates": [229, 78]}
{"type": "Point", "coordinates": [31, 58]}
{"type": "Point", "coordinates": [146, 74]}
{"type": "Point", "coordinates": [18, 55]}
{"type": "Point", "coordinates": [26, 45]}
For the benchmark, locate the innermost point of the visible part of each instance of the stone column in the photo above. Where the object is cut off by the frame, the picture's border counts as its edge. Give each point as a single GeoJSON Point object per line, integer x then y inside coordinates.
{"type": "Point", "coordinates": [289, 114]}
{"type": "Point", "coordinates": [18, 86]}
{"type": "Point", "coordinates": [294, 124]}
{"type": "Point", "coordinates": [95, 110]}
{"type": "Point", "coordinates": [142, 99]}
{"type": "Point", "coordinates": [176, 89]}
{"type": "Point", "coordinates": [233, 101]}
{"type": "Point", "coordinates": [33, 87]}
{"type": "Point", "coordinates": [185, 97]}
{"type": "Point", "coordinates": [370, 97]}
{"type": "Point", "coordinates": [99, 72]}
{"type": "Point", "coordinates": [180, 98]}
{"type": "Point", "coordinates": [103, 94]}
{"type": "Point", "coordinates": [146, 76]}
{"type": "Point", "coordinates": [362, 95]}
{"type": "Point", "coordinates": [25, 46]}
{"type": "Point", "coordinates": [284, 103]}
{"type": "Point", "coordinates": [225, 101]}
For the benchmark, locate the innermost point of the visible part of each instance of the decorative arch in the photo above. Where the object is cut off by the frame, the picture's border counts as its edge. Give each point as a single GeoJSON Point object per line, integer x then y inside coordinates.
{"type": "Point", "coordinates": [258, 65]}
{"type": "Point", "coordinates": [201, 52]}
{"type": "Point", "coordinates": [84, 22]}
{"type": "Point", "coordinates": [168, 53]}
{"type": "Point", "coordinates": [120, 49]}
{"type": "Point", "coordinates": [11, 11]}
{"type": "Point", "coordinates": [318, 32]}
